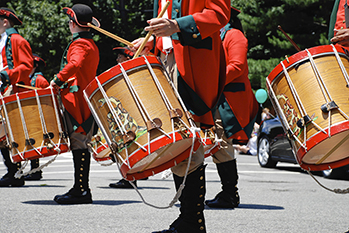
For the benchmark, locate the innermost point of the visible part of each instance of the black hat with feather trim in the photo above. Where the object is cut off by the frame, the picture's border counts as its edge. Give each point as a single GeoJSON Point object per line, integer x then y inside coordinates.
{"type": "Point", "coordinates": [10, 14]}
{"type": "Point", "coordinates": [81, 14]}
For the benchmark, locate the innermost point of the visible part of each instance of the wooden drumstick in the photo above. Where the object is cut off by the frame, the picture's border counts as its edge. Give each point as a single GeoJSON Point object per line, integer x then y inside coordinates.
{"type": "Point", "coordinates": [4, 68]}
{"type": "Point", "coordinates": [37, 88]}
{"type": "Point", "coordinates": [28, 87]}
{"type": "Point", "coordinates": [110, 35]}
{"type": "Point", "coordinates": [289, 39]}
{"type": "Point", "coordinates": [150, 32]}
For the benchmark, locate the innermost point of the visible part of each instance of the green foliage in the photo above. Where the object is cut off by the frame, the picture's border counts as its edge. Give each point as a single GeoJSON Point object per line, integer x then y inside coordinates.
{"type": "Point", "coordinates": [45, 27]}
{"type": "Point", "coordinates": [305, 21]}
{"type": "Point", "coordinates": [260, 69]}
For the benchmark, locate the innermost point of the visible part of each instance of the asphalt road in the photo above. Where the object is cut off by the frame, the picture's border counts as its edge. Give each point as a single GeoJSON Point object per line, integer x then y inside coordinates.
{"type": "Point", "coordinates": [283, 199]}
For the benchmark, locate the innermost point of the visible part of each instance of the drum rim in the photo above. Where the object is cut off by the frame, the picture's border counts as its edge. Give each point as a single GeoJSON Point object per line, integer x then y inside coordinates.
{"type": "Point", "coordinates": [154, 170]}
{"type": "Point", "coordinates": [33, 154]}
{"type": "Point", "coordinates": [301, 56]}
{"type": "Point", "coordinates": [26, 95]}
{"type": "Point", "coordinates": [319, 138]}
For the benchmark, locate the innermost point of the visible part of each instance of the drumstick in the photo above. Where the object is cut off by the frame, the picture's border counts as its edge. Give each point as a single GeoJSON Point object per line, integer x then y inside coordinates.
{"type": "Point", "coordinates": [28, 87]}
{"type": "Point", "coordinates": [289, 39]}
{"type": "Point", "coordinates": [4, 68]}
{"type": "Point", "coordinates": [151, 32]}
{"type": "Point", "coordinates": [110, 35]}
{"type": "Point", "coordinates": [37, 88]}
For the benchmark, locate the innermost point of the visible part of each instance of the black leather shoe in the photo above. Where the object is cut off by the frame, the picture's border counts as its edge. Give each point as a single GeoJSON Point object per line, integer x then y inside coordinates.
{"type": "Point", "coordinates": [11, 181]}
{"type": "Point", "coordinates": [34, 176]}
{"type": "Point", "coordinates": [223, 201]}
{"type": "Point", "coordinates": [69, 198]}
{"type": "Point", "coordinates": [123, 184]}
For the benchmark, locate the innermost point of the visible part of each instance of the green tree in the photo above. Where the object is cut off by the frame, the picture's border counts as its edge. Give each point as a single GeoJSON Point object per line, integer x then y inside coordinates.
{"type": "Point", "coordinates": [45, 26]}
{"type": "Point", "coordinates": [305, 21]}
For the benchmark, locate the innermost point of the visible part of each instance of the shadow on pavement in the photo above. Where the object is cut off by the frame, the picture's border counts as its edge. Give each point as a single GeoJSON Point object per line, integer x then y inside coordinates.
{"type": "Point", "coordinates": [251, 206]}
{"type": "Point", "coordinates": [97, 202]}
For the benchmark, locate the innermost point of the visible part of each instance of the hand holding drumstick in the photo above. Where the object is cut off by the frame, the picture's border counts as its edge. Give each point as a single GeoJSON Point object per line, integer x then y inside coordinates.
{"type": "Point", "coordinates": [341, 37]}
{"type": "Point", "coordinates": [157, 27]}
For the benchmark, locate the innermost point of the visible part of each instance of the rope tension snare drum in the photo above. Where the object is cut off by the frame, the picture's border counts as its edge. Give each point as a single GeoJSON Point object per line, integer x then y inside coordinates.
{"type": "Point", "coordinates": [33, 124]}
{"type": "Point", "coordinates": [310, 93]}
{"type": "Point", "coordinates": [141, 117]}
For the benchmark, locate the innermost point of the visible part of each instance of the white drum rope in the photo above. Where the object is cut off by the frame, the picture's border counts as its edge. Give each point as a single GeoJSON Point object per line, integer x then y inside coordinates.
{"type": "Point", "coordinates": [283, 117]}
{"type": "Point", "coordinates": [341, 65]}
{"type": "Point", "coordinates": [338, 191]}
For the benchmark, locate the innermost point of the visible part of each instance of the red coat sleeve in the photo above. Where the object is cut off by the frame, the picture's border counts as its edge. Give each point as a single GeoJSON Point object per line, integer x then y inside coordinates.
{"type": "Point", "coordinates": [235, 45]}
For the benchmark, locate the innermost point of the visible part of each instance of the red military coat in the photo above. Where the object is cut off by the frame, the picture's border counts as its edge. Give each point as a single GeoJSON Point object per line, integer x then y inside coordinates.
{"type": "Point", "coordinates": [238, 106]}
{"type": "Point", "coordinates": [17, 55]}
{"type": "Point", "coordinates": [79, 63]}
{"type": "Point", "coordinates": [198, 52]}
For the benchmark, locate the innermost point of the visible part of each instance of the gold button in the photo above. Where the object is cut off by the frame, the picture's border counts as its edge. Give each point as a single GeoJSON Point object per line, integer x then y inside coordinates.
{"type": "Point", "coordinates": [83, 153]}
{"type": "Point", "coordinates": [80, 180]}
{"type": "Point", "coordinates": [198, 213]}
{"type": "Point", "coordinates": [198, 204]}
{"type": "Point", "coordinates": [201, 228]}
{"type": "Point", "coordinates": [200, 221]}
{"type": "Point", "coordinates": [201, 196]}
{"type": "Point", "coordinates": [80, 175]}
{"type": "Point", "coordinates": [82, 159]}
{"type": "Point", "coordinates": [82, 190]}
{"type": "Point", "coordinates": [81, 169]}
{"type": "Point", "coordinates": [201, 187]}
{"type": "Point", "coordinates": [177, 10]}
{"type": "Point", "coordinates": [195, 36]}
{"type": "Point", "coordinates": [201, 177]}
{"type": "Point", "coordinates": [341, 27]}
{"type": "Point", "coordinates": [80, 186]}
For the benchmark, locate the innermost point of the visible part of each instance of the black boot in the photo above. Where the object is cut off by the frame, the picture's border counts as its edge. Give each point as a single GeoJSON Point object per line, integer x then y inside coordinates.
{"type": "Point", "coordinates": [9, 178]}
{"type": "Point", "coordinates": [191, 218]}
{"type": "Point", "coordinates": [123, 184]}
{"type": "Point", "coordinates": [80, 193]}
{"type": "Point", "coordinates": [229, 197]}
{"type": "Point", "coordinates": [36, 175]}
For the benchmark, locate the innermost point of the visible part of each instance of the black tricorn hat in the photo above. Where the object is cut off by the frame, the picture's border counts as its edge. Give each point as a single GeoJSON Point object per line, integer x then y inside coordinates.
{"type": "Point", "coordinates": [38, 60]}
{"type": "Point", "coordinates": [10, 14]}
{"type": "Point", "coordinates": [81, 14]}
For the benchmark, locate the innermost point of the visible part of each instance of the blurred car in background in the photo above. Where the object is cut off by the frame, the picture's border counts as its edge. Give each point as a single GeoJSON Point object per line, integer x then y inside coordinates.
{"type": "Point", "coordinates": [273, 146]}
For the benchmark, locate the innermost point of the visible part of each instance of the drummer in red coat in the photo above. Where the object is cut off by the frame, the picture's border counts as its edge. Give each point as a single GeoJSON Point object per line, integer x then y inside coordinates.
{"type": "Point", "coordinates": [236, 112]}
{"type": "Point", "coordinates": [16, 55]}
{"type": "Point", "coordinates": [78, 68]}
{"type": "Point", "coordinates": [191, 36]}
{"type": "Point", "coordinates": [36, 80]}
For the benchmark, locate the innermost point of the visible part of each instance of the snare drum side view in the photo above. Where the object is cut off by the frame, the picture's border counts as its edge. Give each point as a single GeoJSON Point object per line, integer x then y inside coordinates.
{"type": "Point", "coordinates": [310, 91]}
{"type": "Point", "coordinates": [33, 125]}
{"type": "Point", "coordinates": [141, 117]}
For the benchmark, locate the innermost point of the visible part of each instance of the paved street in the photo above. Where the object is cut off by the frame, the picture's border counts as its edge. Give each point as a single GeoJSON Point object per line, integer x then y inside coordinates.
{"type": "Point", "coordinates": [272, 200]}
